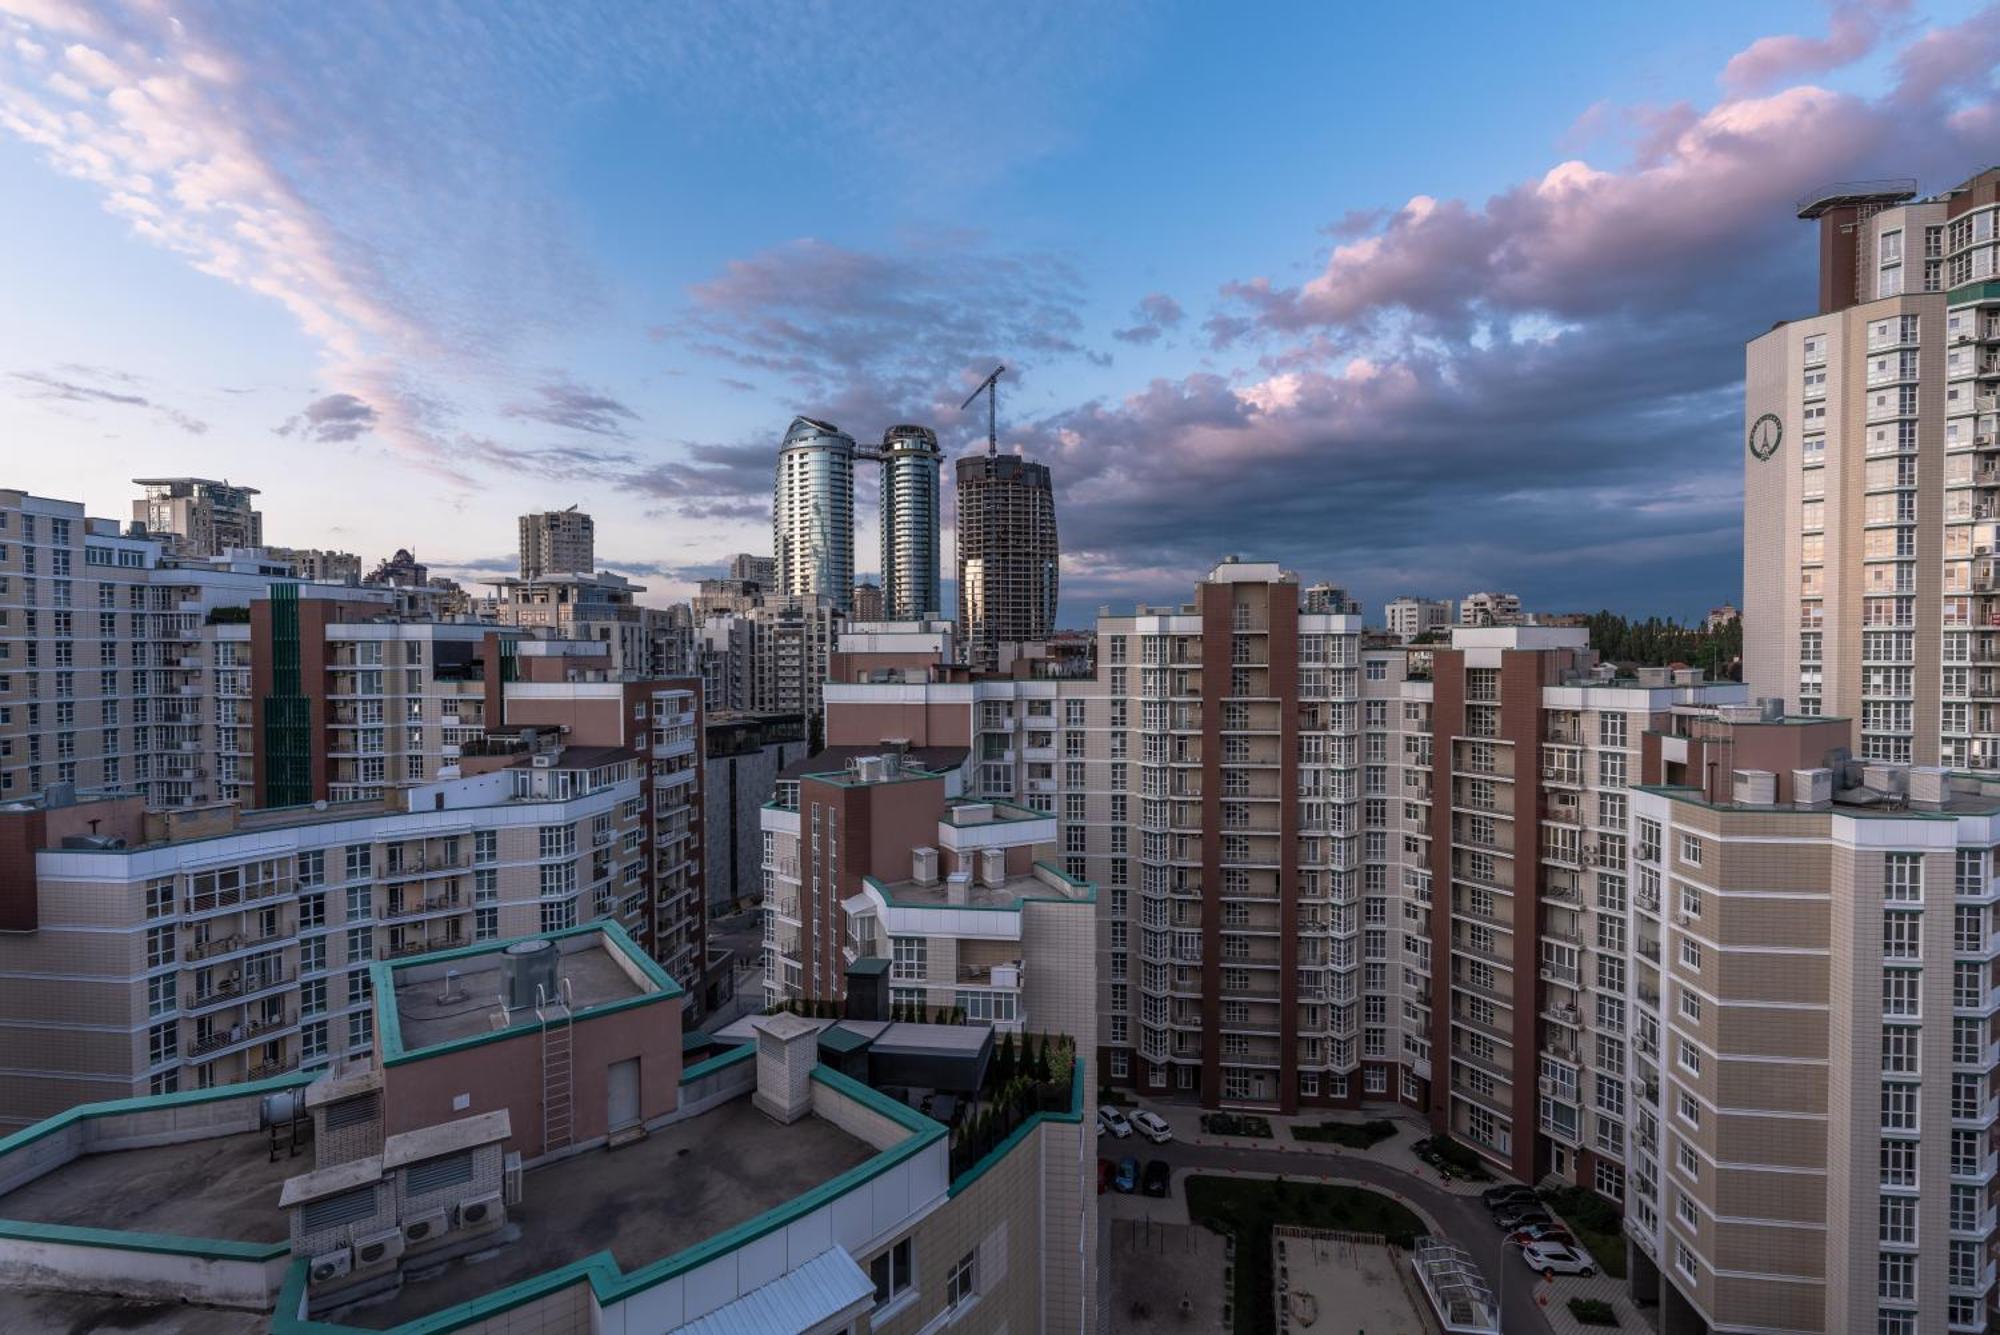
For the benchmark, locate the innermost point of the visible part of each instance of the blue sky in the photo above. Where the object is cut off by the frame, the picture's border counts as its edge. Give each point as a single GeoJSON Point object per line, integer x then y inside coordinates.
{"type": "Point", "coordinates": [1418, 300]}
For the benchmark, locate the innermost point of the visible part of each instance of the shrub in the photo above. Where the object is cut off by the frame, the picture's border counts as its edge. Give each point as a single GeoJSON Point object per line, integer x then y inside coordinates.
{"type": "Point", "coordinates": [1593, 1312]}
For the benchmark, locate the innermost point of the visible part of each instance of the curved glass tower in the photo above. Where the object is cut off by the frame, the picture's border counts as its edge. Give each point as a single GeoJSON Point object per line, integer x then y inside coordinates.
{"type": "Point", "coordinates": [911, 522]}
{"type": "Point", "coordinates": [812, 513]}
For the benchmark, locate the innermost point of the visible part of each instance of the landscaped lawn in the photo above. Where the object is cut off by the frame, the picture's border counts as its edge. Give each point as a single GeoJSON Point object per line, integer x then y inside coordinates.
{"type": "Point", "coordinates": [1248, 1207]}
{"type": "Point", "coordinates": [1353, 1135]}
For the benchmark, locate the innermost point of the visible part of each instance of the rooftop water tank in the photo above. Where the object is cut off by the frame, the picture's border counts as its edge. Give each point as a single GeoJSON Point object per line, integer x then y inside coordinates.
{"type": "Point", "coordinates": [529, 968]}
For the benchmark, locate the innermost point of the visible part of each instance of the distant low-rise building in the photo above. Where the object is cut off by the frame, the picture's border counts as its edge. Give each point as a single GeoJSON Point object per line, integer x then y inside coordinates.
{"type": "Point", "coordinates": [1490, 609]}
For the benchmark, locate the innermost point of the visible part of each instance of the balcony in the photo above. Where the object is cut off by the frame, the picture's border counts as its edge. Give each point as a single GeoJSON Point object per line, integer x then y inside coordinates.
{"type": "Point", "coordinates": [265, 1070]}
{"type": "Point", "coordinates": [444, 903]}
{"type": "Point", "coordinates": [405, 949]}
{"type": "Point", "coordinates": [241, 1033]}
{"type": "Point", "coordinates": [232, 991]}
{"type": "Point", "coordinates": [214, 901]}
{"type": "Point", "coordinates": [227, 945]}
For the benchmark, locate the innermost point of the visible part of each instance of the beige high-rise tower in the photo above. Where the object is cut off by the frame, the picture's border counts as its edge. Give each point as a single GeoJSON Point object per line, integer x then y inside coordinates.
{"type": "Point", "coordinates": [558, 542]}
{"type": "Point", "coordinates": [1872, 477]}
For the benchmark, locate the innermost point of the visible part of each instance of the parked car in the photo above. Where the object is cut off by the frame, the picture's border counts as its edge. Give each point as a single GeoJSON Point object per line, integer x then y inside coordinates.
{"type": "Point", "coordinates": [1515, 1218]}
{"type": "Point", "coordinates": [1110, 1119]}
{"type": "Point", "coordinates": [1103, 1176]}
{"type": "Point", "coordinates": [1128, 1175]}
{"type": "Point", "coordinates": [1152, 1126]}
{"type": "Point", "coordinates": [1553, 1257]}
{"type": "Point", "coordinates": [1540, 1233]}
{"type": "Point", "coordinates": [1159, 1179]}
{"type": "Point", "coordinates": [1514, 1194]}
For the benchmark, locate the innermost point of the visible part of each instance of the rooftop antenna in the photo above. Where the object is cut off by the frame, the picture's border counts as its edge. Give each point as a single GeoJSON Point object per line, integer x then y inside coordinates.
{"type": "Point", "coordinates": [991, 389]}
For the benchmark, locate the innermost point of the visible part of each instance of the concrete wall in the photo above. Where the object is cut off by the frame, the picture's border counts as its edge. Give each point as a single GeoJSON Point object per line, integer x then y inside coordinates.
{"type": "Point", "coordinates": [139, 1275]}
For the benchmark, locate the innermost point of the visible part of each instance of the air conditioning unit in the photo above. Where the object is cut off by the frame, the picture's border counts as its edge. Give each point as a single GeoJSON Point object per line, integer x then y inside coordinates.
{"type": "Point", "coordinates": [378, 1248]}
{"type": "Point", "coordinates": [510, 1178]}
{"type": "Point", "coordinates": [1684, 919]}
{"type": "Point", "coordinates": [482, 1212]}
{"type": "Point", "coordinates": [426, 1227]}
{"type": "Point", "coordinates": [329, 1266]}
{"type": "Point", "coordinates": [544, 762]}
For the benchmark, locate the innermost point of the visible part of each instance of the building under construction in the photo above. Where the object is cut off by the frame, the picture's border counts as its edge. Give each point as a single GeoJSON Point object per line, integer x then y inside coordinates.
{"type": "Point", "coordinates": [1008, 556]}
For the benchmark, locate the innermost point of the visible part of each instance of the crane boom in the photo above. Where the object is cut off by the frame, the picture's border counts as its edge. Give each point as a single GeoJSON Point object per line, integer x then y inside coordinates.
{"type": "Point", "coordinates": [990, 387]}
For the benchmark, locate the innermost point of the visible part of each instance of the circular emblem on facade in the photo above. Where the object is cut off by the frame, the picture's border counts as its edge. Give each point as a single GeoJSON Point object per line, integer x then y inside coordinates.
{"type": "Point", "coordinates": [1765, 433]}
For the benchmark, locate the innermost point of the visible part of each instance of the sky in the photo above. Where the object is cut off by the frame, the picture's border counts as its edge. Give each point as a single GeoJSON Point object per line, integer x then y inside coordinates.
{"type": "Point", "coordinates": [1416, 299]}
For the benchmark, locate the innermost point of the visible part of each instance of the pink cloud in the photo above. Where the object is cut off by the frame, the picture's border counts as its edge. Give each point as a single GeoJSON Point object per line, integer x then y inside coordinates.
{"type": "Point", "coordinates": [1852, 31]}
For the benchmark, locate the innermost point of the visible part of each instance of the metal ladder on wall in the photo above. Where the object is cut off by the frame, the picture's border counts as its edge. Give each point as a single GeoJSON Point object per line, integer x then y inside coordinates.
{"type": "Point", "coordinates": [558, 1073]}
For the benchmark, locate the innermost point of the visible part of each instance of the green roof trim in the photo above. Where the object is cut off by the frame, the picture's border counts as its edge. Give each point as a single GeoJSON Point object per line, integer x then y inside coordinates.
{"type": "Point", "coordinates": [703, 1069]}
{"type": "Point", "coordinates": [1006, 1147]}
{"type": "Point", "coordinates": [600, 1269]}
{"type": "Point", "coordinates": [28, 1135]}
{"type": "Point", "coordinates": [219, 1249]}
{"type": "Point", "coordinates": [869, 965]}
{"type": "Point", "coordinates": [389, 1029]}
{"type": "Point", "coordinates": [207, 1249]}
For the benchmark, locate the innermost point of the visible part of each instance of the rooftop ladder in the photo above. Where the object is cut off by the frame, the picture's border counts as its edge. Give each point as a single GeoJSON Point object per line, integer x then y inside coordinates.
{"type": "Point", "coordinates": [558, 1073]}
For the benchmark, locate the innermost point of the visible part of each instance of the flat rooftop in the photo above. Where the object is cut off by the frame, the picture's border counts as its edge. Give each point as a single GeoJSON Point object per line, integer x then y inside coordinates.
{"type": "Point", "coordinates": [681, 1185]}
{"type": "Point", "coordinates": [423, 1019]}
{"type": "Point", "coordinates": [1007, 895]}
{"type": "Point", "coordinates": [226, 1187]}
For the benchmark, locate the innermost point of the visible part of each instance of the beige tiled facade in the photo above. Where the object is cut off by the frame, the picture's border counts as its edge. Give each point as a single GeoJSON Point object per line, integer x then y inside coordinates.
{"type": "Point", "coordinates": [240, 950]}
{"type": "Point", "coordinates": [1812, 1144]}
{"type": "Point", "coordinates": [1870, 485]}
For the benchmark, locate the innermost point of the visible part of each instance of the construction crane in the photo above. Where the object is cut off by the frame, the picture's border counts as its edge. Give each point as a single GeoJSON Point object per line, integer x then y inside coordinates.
{"type": "Point", "coordinates": [990, 387]}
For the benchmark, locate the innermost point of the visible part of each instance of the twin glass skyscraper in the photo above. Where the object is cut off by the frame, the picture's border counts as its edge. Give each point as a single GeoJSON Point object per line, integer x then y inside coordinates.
{"type": "Point", "coordinates": [813, 516]}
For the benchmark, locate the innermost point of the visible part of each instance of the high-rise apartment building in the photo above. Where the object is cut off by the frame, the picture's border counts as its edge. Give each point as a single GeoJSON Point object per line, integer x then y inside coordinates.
{"type": "Point", "coordinates": [320, 565]}
{"type": "Point", "coordinates": [1409, 618]}
{"type": "Point", "coordinates": [759, 570]}
{"type": "Point", "coordinates": [557, 542]}
{"type": "Point", "coordinates": [199, 516]}
{"type": "Point", "coordinates": [1490, 609]}
{"type": "Point", "coordinates": [867, 603]}
{"type": "Point", "coordinates": [1869, 489]}
{"type": "Point", "coordinates": [772, 658]}
{"type": "Point", "coordinates": [644, 641]}
{"type": "Point", "coordinates": [812, 513]}
{"type": "Point", "coordinates": [965, 899]}
{"type": "Point", "coordinates": [1811, 1042]}
{"type": "Point", "coordinates": [912, 522]}
{"type": "Point", "coordinates": [1009, 559]}
{"type": "Point", "coordinates": [124, 667]}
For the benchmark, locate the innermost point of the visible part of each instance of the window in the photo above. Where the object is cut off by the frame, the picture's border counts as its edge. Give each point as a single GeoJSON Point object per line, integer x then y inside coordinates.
{"type": "Point", "coordinates": [1689, 1109]}
{"type": "Point", "coordinates": [1691, 850]}
{"type": "Point", "coordinates": [1898, 1220]}
{"type": "Point", "coordinates": [1690, 1057]}
{"type": "Point", "coordinates": [910, 957]}
{"type": "Point", "coordinates": [891, 1272]}
{"type": "Point", "coordinates": [1690, 1006]}
{"type": "Point", "coordinates": [1691, 953]}
{"type": "Point", "coordinates": [1899, 1107]}
{"type": "Point", "coordinates": [1903, 877]}
{"type": "Point", "coordinates": [1899, 1163]}
{"type": "Point", "coordinates": [1686, 1159]}
{"type": "Point", "coordinates": [963, 1281]}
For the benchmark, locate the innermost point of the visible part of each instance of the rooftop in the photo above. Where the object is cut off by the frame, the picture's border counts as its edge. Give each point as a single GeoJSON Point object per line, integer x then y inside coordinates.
{"type": "Point", "coordinates": [1044, 883]}
{"type": "Point", "coordinates": [226, 1187]}
{"type": "Point", "coordinates": [457, 995]}
{"type": "Point", "coordinates": [916, 762]}
{"type": "Point", "coordinates": [701, 1178]}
